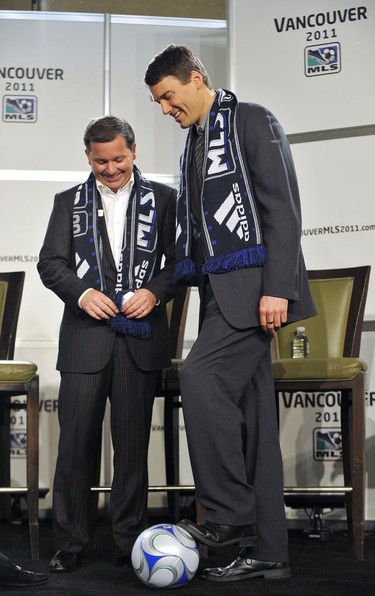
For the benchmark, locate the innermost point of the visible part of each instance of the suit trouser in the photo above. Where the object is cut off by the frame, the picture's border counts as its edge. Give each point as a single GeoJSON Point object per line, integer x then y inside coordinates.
{"type": "Point", "coordinates": [229, 408]}
{"type": "Point", "coordinates": [82, 402]}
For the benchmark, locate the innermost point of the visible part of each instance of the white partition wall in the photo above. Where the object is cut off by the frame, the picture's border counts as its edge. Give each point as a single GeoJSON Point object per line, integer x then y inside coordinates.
{"type": "Point", "coordinates": [51, 79]}
{"type": "Point", "coordinates": [132, 45]}
{"type": "Point", "coordinates": [311, 63]}
{"type": "Point", "coordinates": [57, 71]}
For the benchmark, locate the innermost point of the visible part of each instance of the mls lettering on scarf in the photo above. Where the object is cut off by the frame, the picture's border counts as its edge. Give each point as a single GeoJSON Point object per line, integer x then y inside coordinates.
{"type": "Point", "coordinates": [219, 149]}
{"type": "Point", "coordinates": [146, 223]}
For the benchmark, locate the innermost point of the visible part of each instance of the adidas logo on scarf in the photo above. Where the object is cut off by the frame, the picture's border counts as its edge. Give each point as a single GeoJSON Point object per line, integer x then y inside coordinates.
{"type": "Point", "coordinates": [233, 211]}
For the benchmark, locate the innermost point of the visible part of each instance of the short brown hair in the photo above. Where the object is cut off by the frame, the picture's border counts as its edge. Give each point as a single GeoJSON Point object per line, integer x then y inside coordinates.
{"type": "Point", "coordinates": [177, 61]}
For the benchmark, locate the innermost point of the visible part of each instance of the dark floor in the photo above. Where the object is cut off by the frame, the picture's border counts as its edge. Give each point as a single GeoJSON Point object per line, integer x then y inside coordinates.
{"type": "Point", "coordinates": [318, 567]}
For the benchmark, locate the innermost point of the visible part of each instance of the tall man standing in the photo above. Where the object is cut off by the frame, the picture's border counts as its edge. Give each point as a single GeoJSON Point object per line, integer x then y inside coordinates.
{"type": "Point", "coordinates": [102, 256]}
{"type": "Point", "coordinates": [237, 238]}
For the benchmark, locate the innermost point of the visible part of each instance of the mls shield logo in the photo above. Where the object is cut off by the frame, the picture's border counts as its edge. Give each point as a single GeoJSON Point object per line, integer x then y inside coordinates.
{"type": "Point", "coordinates": [18, 443]}
{"type": "Point", "coordinates": [322, 60]}
{"type": "Point", "coordinates": [19, 108]}
{"type": "Point", "coordinates": [327, 444]}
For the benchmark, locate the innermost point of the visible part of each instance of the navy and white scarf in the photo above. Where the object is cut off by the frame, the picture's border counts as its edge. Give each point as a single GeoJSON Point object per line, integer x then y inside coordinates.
{"type": "Point", "coordinates": [231, 227]}
{"type": "Point", "coordinates": [138, 254]}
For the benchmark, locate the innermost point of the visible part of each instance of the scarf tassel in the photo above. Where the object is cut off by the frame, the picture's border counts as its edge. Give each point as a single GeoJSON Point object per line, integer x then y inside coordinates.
{"type": "Point", "coordinates": [135, 327]}
{"type": "Point", "coordinates": [254, 256]}
{"type": "Point", "coordinates": [185, 273]}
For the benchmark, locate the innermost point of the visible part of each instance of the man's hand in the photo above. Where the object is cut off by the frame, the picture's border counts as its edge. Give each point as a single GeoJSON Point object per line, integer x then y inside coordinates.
{"type": "Point", "coordinates": [139, 305]}
{"type": "Point", "coordinates": [273, 312]}
{"type": "Point", "coordinates": [98, 305]}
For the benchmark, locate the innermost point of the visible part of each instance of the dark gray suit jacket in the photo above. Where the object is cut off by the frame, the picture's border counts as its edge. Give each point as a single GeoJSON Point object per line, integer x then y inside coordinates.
{"type": "Point", "coordinates": [85, 344]}
{"type": "Point", "coordinates": [270, 165]}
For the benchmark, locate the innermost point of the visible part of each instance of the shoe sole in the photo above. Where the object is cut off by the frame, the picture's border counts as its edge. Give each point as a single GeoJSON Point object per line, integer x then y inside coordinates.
{"type": "Point", "coordinates": [267, 574]}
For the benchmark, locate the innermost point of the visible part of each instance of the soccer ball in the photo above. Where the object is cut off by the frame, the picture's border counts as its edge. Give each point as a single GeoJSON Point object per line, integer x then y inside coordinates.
{"type": "Point", "coordinates": [329, 55]}
{"type": "Point", "coordinates": [165, 556]}
{"type": "Point", "coordinates": [26, 105]}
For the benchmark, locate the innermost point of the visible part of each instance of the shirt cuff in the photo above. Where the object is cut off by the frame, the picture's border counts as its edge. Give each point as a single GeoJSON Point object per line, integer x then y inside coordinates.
{"type": "Point", "coordinates": [82, 295]}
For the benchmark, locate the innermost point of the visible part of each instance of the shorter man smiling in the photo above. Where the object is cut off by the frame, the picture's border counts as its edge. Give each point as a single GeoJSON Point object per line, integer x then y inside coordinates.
{"type": "Point", "coordinates": [102, 256]}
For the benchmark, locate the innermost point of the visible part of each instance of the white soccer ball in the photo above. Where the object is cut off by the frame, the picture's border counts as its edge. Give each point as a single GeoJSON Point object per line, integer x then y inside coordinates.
{"type": "Point", "coordinates": [165, 556]}
{"type": "Point", "coordinates": [26, 105]}
{"type": "Point", "coordinates": [329, 55]}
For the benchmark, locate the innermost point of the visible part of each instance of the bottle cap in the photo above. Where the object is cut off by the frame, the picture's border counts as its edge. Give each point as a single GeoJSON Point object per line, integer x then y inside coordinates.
{"type": "Point", "coordinates": [300, 330]}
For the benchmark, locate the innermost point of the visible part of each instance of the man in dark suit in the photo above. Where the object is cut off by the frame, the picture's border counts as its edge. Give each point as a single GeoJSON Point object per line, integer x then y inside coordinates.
{"type": "Point", "coordinates": [102, 255]}
{"type": "Point", "coordinates": [238, 238]}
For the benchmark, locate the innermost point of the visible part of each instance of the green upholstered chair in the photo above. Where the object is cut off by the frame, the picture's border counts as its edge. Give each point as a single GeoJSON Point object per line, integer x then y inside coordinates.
{"type": "Point", "coordinates": [334, 365]}
{"type": "Point", "coordinates": [17, 378]}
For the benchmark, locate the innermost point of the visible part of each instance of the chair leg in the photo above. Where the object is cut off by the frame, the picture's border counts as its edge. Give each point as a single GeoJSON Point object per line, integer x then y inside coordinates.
{"type": "Point", "coordinates": [353, 433]}
{"type": "Point", "coordinates": [33, 465]}
{"type": "Point", "coordinates": [172, 454]}
{"type": "Point", "coordinates": [5, 509]}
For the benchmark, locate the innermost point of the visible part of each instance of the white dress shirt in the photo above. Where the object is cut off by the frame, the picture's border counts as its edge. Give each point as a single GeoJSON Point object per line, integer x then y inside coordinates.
{"type": "Point", "coordinates": [115, 205]}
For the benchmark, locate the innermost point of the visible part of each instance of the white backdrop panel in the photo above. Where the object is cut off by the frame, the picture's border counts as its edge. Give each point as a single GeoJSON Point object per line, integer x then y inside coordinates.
{"type": "Point", "coordinates": [72, 51]}
{"type": "Point", "coordinates": [335, 179]}
{"type": "Point", "coordinates": [159, 139]}
{"type": "Point", "coordinates": [267, 49]}
{"type": "Point", "coordinates": [267, 58]}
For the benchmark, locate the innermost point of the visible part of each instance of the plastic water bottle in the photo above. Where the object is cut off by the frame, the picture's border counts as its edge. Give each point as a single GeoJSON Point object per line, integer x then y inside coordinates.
{"type": "Point", "coordinates": [300, 344]}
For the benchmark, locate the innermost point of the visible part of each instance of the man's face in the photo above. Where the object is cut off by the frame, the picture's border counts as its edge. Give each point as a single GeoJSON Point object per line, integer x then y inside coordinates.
{"type": "Point", "coordinates": [112, 162]}
{"type": "Point", "coordinates": [183, 101]}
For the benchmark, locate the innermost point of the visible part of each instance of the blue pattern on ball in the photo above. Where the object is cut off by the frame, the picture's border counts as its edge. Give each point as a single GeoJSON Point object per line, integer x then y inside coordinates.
{"type": "Point", "coordinates": [165, 556]}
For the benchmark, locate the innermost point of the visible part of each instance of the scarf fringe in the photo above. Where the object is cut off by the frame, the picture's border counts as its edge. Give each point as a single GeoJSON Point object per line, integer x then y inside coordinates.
{"type": "Point", "coordinates": [140, 329]}
{"type": "Point", "coordinates": [185, 273]}
{"type": "Point", "coordinates": [254, 256]}
{"type": "Point", "coordinates": [135, 327]}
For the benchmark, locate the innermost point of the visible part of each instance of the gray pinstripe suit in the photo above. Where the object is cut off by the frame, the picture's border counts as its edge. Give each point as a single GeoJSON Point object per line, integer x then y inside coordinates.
{"type": "Point", "coordinates": [97, 363]}
{"type": "Point", "coordinates": [226, 382]}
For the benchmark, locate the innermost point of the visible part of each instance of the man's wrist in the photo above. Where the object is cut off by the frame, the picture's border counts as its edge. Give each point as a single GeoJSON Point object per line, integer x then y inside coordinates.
{"type": "Point", "coordinates": [82, 295]}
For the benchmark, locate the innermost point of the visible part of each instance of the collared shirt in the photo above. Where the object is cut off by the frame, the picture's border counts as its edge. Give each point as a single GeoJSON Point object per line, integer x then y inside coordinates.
{"type": "Point", "coordinates": [115, 205]}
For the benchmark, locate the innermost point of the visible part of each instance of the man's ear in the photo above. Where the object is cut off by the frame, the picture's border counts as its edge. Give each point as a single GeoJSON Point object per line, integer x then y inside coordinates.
{"type": "Point", "coordinates": [196, 78]}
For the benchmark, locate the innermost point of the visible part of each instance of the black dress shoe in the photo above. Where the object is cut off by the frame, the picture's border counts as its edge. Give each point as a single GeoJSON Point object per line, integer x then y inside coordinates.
{"type": "Point", "coordinates": [124, 561]}
{"type": "Point", "coordinates": [13, 575]}
{"type": "Point", "coordinates": [65, 562]}
{"type": "Point", "coordinates": [245, 568]}
{"type": "Point", "coordinates": [218, 535]}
